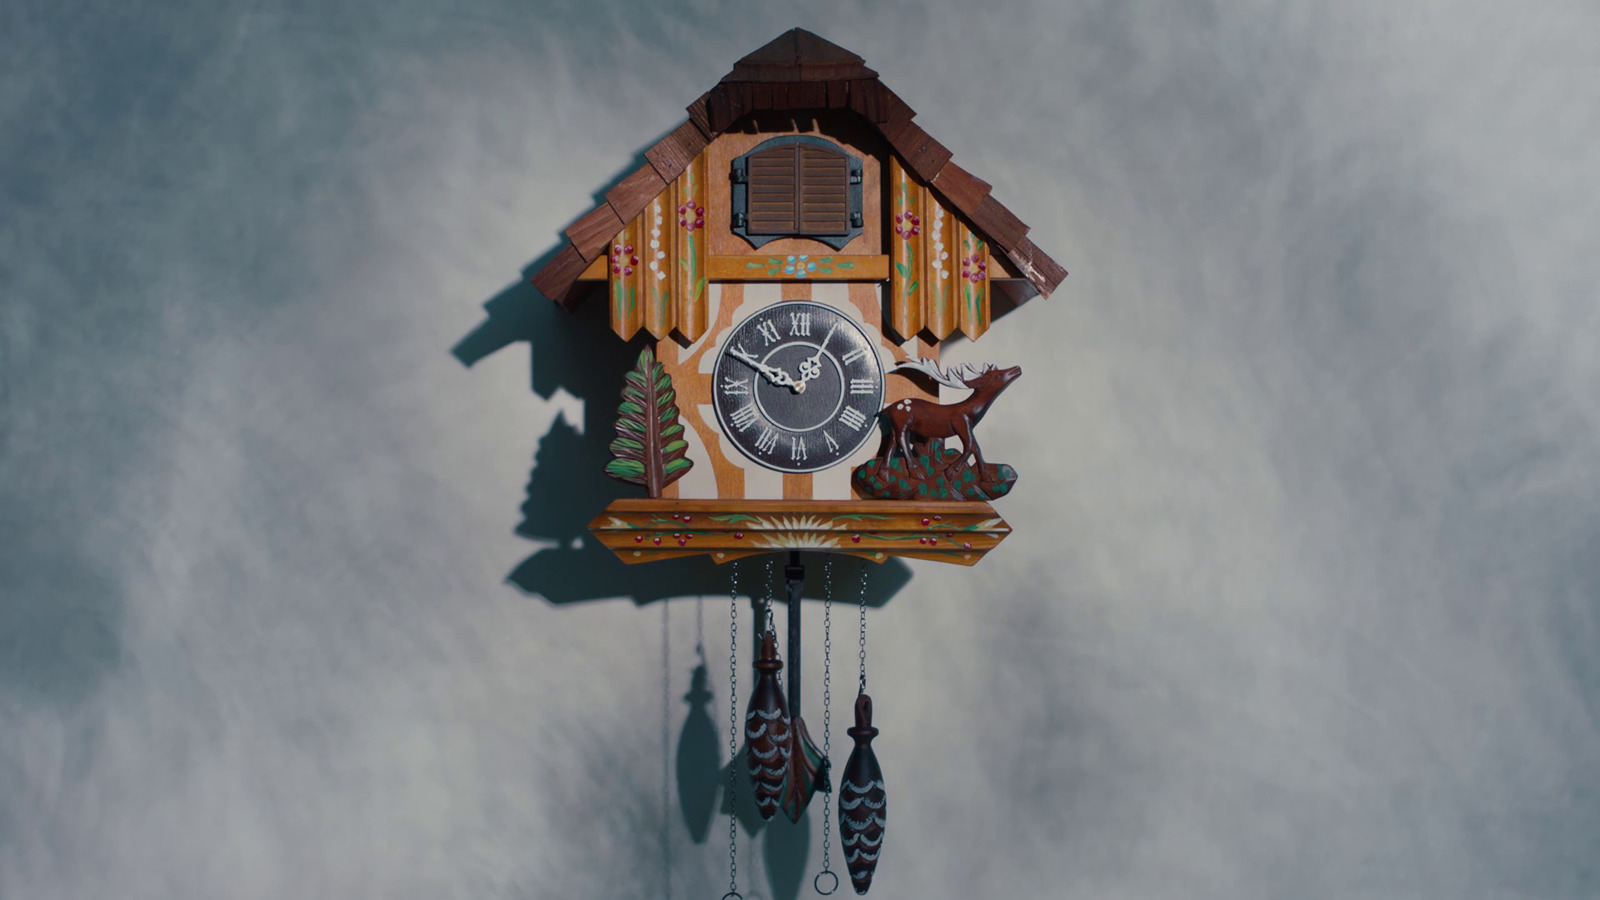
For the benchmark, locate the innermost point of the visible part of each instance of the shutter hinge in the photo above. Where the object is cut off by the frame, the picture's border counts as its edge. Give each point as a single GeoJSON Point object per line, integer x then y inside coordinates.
{"type": "Point", "coordinates": [856, 220]}
{"type": "Point", "coordinates": [739, 220]}
{"type": "Point", "coordinates": [855, 175]}
{"type": "Point", "coordinates": [737, 174]}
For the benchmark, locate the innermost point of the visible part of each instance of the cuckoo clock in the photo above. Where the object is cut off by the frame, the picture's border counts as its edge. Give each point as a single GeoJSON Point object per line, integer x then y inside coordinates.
{"type": "Point", "coordinates": [797, 251]}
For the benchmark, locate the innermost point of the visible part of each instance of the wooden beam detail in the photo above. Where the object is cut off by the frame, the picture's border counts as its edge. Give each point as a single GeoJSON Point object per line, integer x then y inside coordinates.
{"type": "Point", "coordinates": [905, 284]}
{"type": "Point", "coordinates": [940, 316]}
{"type": "Point", "coordinates": [956, 532]}
{"type": "Point", "coordinates": [658, 232]}
{"type": "Point", "coordinates": [592, 234]}
{"type": "Point", "coordinates": [634, 193]}
{"type": "Point", "coordinates": [555, 280]}
{"type": "Point", "coordinates": [627, 300]}
{"type": "Point", "coordinates": [963, 189]}
{"type": "Point", "coordinates": [828, 267]}
{"type": "Point", "coordinates": [972, 274]}
{"type": "Point", "coordinates": [687, 220]}
{"type": "Point", "coordinates": [673, 153]}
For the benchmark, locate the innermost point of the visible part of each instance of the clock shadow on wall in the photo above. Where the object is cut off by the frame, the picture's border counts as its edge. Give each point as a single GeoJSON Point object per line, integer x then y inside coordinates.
{"type": "Point", "coordinates": [577, 352]}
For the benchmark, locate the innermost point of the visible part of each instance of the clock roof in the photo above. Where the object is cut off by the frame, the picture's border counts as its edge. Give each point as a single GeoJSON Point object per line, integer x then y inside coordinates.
{"type": "Point", "coordinates": [798, 70]}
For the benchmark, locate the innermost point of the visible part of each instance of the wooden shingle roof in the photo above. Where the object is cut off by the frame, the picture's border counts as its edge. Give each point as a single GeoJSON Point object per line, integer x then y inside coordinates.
{"type": "Point", "coordinates": [798, 70]}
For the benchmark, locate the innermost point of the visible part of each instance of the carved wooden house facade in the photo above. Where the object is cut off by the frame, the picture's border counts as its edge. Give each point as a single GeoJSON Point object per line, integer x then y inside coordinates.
{"type": "Point", "coordinates": [798, 177]}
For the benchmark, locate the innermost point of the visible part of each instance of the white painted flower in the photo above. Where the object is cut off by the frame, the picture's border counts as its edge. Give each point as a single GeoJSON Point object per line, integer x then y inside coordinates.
{"type": "Point", "coordinates": [661, 254]}
{"type": "Point", "coordinates": [660, 275]}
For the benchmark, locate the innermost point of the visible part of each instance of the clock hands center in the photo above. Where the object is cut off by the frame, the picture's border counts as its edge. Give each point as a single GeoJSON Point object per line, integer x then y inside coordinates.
{"type": "Point", "coordinates": [811, 367]}
{"type": "Point", "coordinates": [778, 377]}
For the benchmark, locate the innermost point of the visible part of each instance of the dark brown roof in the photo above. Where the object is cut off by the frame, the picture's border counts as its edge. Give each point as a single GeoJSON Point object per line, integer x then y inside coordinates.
{"type": "Point", "coordinates": [798, 70]}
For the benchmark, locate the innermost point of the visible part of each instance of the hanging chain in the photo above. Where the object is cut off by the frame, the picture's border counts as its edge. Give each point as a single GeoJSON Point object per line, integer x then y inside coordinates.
{"type": "Point", "coordinates": [863, 652]}
{"type": "Point", "coordinates": [827, 696]}
{"type": "Point", "coordinates": [733, 727]}
{"type": "Point", "coordinates": [771, 596]}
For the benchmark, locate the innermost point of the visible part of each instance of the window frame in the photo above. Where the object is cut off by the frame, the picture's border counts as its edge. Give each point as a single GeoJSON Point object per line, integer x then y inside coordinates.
{"type": "Point", "coordinates": [738, 174]}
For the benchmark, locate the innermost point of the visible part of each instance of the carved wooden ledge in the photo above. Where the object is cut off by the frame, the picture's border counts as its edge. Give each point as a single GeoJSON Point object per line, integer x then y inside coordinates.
{"type": "Point", "coordinates": [640, 531]}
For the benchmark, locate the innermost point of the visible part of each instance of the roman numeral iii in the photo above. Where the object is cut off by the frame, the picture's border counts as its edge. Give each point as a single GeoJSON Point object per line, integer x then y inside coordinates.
{"type": "Point", "coordinates": [862, 386]}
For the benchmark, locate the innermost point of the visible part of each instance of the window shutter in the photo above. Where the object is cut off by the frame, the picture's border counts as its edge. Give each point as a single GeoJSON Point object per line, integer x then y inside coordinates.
{"type": "Point", "coordinates": [796, 186]}
{"type": "Point", "coordinates": [824, 191]}
{"type": "Point", "coordinates": [772, 185]}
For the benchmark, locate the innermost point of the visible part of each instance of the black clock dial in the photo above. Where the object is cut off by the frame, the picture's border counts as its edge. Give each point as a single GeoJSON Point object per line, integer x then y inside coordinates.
{"type": "Point", "coordinates": [798, 386]}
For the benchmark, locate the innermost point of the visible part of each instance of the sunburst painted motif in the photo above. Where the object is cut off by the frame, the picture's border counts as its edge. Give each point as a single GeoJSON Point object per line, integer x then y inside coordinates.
{"type": "Point", "coordinates": [793, 523]}
{"type": "Point", "coordinates": [795, 540]}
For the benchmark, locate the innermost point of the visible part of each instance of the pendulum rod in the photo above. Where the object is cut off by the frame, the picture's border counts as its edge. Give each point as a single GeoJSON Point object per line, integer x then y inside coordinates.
{"type": "Point", "coordinates": [795, 575]}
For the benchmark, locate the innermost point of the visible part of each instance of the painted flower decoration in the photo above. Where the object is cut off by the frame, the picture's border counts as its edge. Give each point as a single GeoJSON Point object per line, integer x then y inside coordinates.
{"type": "Point", "coordinates": [623, 259]}
{"type": "Point", "coordinates": [655, 245]}
{"type": "Point", "coordinates": [907, 224]}
{"type": "Point", "coordinates": [691, 216]}
{"type": "Point", "coordinates": [799, 266]}
{"type": "Point", "coordinates": [973, 267]}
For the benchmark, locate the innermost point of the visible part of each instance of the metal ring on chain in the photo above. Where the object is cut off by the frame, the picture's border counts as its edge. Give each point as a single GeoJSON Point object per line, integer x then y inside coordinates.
{"type": "Point", "coordinates": [734, 894]}
{"type": "Point", "coordinates": [816, 883]}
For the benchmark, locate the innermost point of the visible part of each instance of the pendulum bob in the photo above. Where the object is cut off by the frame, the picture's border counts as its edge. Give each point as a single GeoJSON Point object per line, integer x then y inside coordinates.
{"type": "Point", "coordinates": [862, 808]}
{"type": "Point", "coordinates": [699, 764]}
{"type": "Point", "coordinates": [808, 772]}
{"type": "Point", "coordinates": [767, 731]}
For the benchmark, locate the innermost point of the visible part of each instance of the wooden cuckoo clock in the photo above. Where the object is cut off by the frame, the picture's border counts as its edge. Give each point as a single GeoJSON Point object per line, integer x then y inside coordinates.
{"type": "Point", "coordinates": [797, 251]}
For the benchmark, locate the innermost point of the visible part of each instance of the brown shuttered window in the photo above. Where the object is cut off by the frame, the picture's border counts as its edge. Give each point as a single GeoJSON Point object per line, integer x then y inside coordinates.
{"type": "Point", "coordinates": [775, 180]}
{"type": "Point", "coordinates": [799, 189]}
{"type": "Point", "coordinates": [797, 186]}
{"type": "Point", "coordinates": [824, 196]}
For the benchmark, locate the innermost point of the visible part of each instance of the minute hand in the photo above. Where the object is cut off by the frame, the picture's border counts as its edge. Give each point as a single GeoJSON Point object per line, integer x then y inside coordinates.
{"type": "Point", "coordinates": [778, 377]}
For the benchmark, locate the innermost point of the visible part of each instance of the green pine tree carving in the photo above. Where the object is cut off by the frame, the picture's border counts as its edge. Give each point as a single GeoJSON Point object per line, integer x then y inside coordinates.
{"type": "Point", "coordinates": [649, 447]}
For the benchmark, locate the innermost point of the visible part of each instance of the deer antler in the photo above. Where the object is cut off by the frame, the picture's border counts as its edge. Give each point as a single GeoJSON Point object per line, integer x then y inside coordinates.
{"type": "Point", "coordinates": [950, 378]}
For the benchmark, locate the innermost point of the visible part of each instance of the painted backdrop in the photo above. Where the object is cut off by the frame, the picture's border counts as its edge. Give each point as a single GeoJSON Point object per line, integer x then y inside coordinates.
{"type": "Point", "coordinates": [1302, 600]}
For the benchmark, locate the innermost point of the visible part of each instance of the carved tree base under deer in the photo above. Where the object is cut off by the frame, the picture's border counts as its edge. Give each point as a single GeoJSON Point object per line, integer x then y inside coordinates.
{"type": "Point", "coordinates": [934, 476]}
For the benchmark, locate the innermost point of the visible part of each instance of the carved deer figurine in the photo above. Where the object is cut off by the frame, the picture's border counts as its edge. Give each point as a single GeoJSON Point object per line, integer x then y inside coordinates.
{"type": "Point", "coordinates": [929, 420]}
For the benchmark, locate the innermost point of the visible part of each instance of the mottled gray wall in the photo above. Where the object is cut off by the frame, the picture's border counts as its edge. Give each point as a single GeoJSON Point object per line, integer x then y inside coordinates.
{"type": "Point", "coordinates": [1304, 599]}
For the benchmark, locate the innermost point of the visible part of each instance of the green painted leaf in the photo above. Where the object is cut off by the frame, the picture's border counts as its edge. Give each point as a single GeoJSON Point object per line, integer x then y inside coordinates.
{"type": "Point", "coordinates": [648, 449]}
{"type": "Point", "coordinates": [625, 469]}
{"type": "Point", "coordinates": [755, 265]}
{"type": "Point", "coordinates": [904, 272]}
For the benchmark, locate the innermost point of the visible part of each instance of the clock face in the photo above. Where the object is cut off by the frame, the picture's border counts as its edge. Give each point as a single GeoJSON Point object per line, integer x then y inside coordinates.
{"type": "Point", "coordinates": [798, 387]}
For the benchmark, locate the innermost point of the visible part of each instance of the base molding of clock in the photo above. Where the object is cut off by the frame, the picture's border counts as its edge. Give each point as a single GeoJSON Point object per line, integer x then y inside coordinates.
{"type": "Point", "coordinates": [641, 531]}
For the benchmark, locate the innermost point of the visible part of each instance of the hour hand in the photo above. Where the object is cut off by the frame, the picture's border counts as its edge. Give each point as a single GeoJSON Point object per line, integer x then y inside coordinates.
{"type": "Point", "coordinates": [778, 377]}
